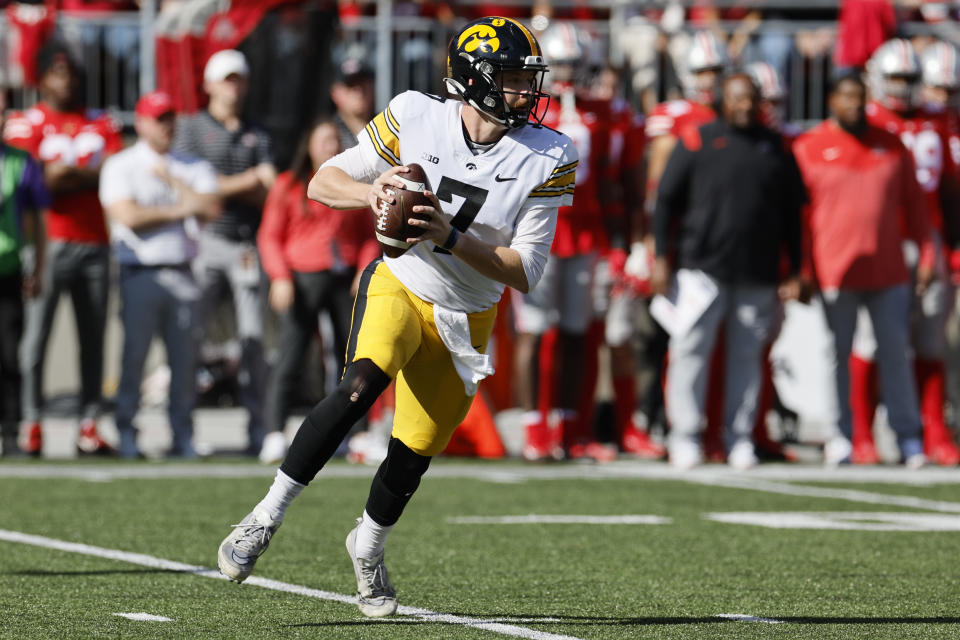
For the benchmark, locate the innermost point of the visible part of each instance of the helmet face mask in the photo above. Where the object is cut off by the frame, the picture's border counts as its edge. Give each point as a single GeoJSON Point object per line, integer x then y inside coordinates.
{"type": "Point", "coordinates": [704, 85]}
{"type": "Point", "coordinates": [894, 73]}
{"type": "Point", "coordinates": [900, 92]}
{"type": "Point", "coordinates": [480, 64]}
{"type": "Point", "coordinates": [573, 54]}
{"type": "Point", "coordinates": [940, 64]}
{"type": "Point", "coordinates": [706, 62]}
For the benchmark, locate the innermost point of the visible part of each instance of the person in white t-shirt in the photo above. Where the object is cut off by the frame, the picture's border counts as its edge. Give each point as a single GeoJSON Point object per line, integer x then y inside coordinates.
{"type": "Point", "coordinates": [425, 317]}
{"type": "Point", "coordinates": [155, 201]}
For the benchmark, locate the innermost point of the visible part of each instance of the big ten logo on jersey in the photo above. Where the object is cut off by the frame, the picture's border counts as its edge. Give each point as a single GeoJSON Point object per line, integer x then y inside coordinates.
{"type": "Point", "coordinates": [927, 148]}
{"type": "Point", "coordinates": [83, 150]}
{"type": "Point", "coordinates": [432, 159]}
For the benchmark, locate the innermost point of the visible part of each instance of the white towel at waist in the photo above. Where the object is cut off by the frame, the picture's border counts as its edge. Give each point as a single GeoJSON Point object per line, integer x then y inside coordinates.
{"type": "Point", "coordinates": [454, 329]}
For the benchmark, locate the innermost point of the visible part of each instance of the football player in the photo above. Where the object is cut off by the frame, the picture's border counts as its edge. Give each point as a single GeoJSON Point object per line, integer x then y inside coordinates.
{"type": "Point", "coordinates": [553, 319]}
{"type": "Point", "coordinates": [72, 142]}
{"type": "Point", "coordinates": [894, 74]}
{"type": "Point", "coordinates": [623, 274]}
{"type": "Point", "coordinates": [424, 318]}
{"type": "Point", "coordinates": [940, 72]}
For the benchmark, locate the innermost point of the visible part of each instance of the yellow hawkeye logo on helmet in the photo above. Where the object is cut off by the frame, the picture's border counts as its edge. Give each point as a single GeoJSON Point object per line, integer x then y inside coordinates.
{"type": "Point", "coordinates": [479, 36]}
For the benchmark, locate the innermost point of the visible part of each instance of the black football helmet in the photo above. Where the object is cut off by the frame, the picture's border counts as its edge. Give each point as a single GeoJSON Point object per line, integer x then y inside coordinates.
{"type": "Point", "coordinates": [479, 55]}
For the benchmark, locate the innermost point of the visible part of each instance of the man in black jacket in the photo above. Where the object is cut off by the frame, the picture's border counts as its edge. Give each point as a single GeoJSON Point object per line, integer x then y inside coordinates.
{"type": "Point", "coordinates": [728, 210]}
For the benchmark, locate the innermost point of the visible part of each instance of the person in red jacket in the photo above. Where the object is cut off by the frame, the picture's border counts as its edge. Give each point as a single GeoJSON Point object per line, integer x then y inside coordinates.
{"type": "Point", "coordinates": [895, 82]}
{"type": "Point", "coordinates": [72, 143]}
{"type": "Point", "coordinates": [310, 253]}
{"type": "Point", "coordinates": [864, 196]}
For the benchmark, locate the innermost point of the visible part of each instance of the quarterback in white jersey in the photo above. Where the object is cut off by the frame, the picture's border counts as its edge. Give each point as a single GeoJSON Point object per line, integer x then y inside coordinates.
{"type": "Point", "coordinates": [424, 318]}
{"type": "Point", "coordinates": [504, 196]}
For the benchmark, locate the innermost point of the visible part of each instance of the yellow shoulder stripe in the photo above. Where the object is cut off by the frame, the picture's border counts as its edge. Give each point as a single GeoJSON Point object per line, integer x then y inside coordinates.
{"type": "Point", "coordinates": [551, 194]}
{"type": "Point", "coordinates": [392, 121]}
{"type": "Point", "coordinates": [558, 182]}
{"type": "Point", "coordinates": [384, 133]}
{"type": "Point", "coordinates": [378, 147]}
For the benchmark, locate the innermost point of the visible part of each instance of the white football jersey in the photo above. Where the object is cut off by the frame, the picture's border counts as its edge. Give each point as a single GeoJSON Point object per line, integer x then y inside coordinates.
{"type": "Point", "coordinates": [530, 170]}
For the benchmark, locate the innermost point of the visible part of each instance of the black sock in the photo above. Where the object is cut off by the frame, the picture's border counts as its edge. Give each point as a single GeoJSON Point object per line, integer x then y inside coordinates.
{"type": "Point", "coordinates": [396, 480]}
{"type": "Point", "coordinates": [328, 423]}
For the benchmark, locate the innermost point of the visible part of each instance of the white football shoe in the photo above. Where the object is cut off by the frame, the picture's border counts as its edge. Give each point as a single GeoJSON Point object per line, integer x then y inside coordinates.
{"type": "Point", "coordinates": [742, 456]}
{"type": "Point", "coordinates": [376, 596]}
{"type": "Point", "coordinates": [684, 454]}
{"type": "Point", "coordinates": [837, 450]}
{"type": "Point", "coordinates": [916, 461]}
{"type": "Point", "coordinates": [239, 551]}
{"type": "Point", "coordinates": [274, 448]}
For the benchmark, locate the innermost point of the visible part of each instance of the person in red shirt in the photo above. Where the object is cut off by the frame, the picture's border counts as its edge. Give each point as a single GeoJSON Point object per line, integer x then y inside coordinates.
{"type": "Point", "coordinates": [72, 143]}
{"type": "Point", "coordinates": [311, 253]}
{"type": "Point", "coordinates": [895, 78]}
{"type": "Point", "coordinates": [553, 319]}
{"type": "Point", "coordinates": [864, 197]}
{"type": "Point", "coordinates": [863, 25]}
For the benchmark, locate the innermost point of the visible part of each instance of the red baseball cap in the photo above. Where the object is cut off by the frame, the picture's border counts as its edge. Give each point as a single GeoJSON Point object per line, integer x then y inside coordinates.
{"type": "Point", "coordinates": [154, 104]}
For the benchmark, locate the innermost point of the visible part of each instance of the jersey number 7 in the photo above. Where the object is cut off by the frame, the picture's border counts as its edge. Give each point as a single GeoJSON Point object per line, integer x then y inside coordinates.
{"type": "Point", "coordinates": [474, 197]}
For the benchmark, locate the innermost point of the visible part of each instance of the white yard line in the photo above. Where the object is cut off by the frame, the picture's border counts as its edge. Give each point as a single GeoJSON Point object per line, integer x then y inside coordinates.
{"type": "Point", "coordinates": [841, 520]}
{"type": "Point", "coordinates": [502, 472]}
{"type": "Point", "coordinates": [849, 495]}
{"type": "Point", "coordinates": [144, 617]}
{"type": "Point", "coordinates": [560, 519]}
{"type": "Point", "coordinates": [492, 625]}
{"type": "Point", "coordinates": [739, 617]}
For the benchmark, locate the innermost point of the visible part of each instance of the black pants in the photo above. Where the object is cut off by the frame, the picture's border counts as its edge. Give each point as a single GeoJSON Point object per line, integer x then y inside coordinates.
{"type": "Point", "coordinates": [11, 330]}
{"type": "Point", "coordinates": [314, 292]}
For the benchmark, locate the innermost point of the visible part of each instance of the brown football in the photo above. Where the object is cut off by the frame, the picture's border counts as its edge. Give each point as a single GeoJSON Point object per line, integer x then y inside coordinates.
{"type": "Point", "coordinates": [391, 219]}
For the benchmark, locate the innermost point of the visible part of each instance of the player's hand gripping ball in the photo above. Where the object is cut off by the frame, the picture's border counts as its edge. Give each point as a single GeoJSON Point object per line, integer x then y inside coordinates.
{"type": "Point", "coordinates": [392, 228]}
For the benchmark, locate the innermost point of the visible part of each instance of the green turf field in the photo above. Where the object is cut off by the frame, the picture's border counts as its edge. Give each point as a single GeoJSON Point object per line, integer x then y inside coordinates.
{"type": "Point", "coordinates": [493, 580]}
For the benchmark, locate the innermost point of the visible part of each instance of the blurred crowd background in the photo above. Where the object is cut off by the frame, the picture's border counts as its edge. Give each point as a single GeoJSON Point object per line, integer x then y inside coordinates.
{"type": "Point", "coordinates": [309, 59]}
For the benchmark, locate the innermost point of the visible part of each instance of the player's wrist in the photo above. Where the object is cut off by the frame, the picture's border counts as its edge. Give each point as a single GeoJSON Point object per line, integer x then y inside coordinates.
{"type": "Point", "coordinates": [452, 238]}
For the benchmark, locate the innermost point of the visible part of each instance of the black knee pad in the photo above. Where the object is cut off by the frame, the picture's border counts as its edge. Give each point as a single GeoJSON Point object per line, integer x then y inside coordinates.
{"type": "Point", "coordinates": [402, 469]}
{"type": "Point", "coordinates": [395, 482]}
{"type": "Point", "coordinates": [328, 423]}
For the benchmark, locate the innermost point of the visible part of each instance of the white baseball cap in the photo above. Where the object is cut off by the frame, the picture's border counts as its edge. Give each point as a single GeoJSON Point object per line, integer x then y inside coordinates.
{"type": "Point", "coordinates": [223, 64]}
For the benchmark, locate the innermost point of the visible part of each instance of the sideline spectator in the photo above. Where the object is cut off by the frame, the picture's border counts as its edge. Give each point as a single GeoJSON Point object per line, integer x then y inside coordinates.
{"type": "Point", "coordinates": [71, 142]}
{"type": "Point", "coordinates": [241, 154]}
{"type": "Point", "coordinates": [706, 62]}
{"type": "Point", "coordinates": [735, 196]}
{"type": "Point", "coordinates": [310, 253]}
{"type": "Point", "coordinates": [863, 195]}
{"type": "Point", "coordinates": [352, 96]}
{"type": "Point", "coordinates": [154, 200]}
{"type": "Point", "coordinates": [862, 26]}
{"type": "Point", "coordinates": [23, 195]}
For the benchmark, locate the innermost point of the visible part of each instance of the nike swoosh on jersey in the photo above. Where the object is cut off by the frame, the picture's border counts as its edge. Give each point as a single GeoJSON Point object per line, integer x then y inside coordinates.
{"type": "Point", "coordinates": [499, 179]}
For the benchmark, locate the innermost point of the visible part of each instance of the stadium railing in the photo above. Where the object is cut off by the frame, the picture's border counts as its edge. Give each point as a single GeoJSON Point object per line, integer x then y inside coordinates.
{"type": "Point", "coordinates": [109, 45]}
